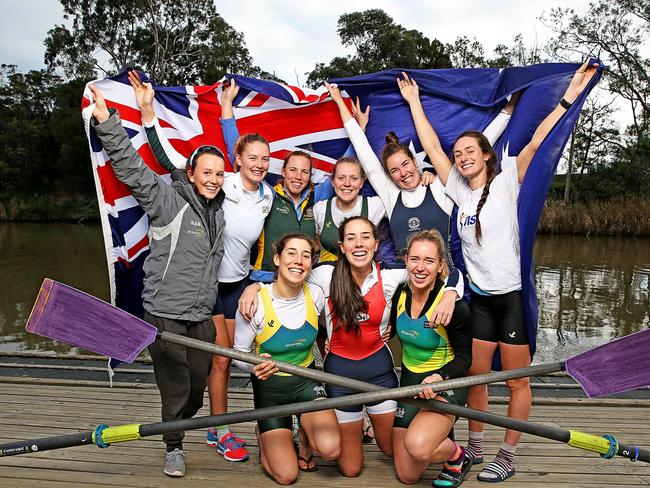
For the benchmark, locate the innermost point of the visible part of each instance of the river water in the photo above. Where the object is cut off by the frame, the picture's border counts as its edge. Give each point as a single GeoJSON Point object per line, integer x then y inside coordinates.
{"type": "Point", "coordinates": [590, 290]}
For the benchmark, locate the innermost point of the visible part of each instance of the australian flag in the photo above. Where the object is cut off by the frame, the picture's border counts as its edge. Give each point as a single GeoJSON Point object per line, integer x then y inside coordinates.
{"type": "Point", "coordinates": [292, 118]}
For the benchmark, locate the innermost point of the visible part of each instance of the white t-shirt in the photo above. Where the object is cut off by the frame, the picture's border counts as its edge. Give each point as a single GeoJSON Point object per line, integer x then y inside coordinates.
{"type": "Point", "coordinates": [376, 212]}
{"type": "Point", "coordinates": [244, 213]}
{"type": "Point", "coordinates": [291, 312]}
{"type": "Point", "coordinates": [493, 265]}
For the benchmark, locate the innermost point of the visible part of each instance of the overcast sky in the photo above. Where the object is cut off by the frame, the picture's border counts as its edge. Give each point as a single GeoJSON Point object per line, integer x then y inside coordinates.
{"type": "Point", "coordinates": [290, 36]}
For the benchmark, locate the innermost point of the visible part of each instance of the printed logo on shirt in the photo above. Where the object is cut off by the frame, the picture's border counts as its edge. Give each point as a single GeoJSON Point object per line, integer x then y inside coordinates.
{"type": "Point", "coordinates": [283, 210]}
{"type": "Point", "coordinates": [320, 391]}
{"type": "Point", "coordinates": [414, 224]}
{"type": "Point", "coordinates": [430, 325]}
{"type": "Point", "coordinates": [266, 209]}
{"type": "Point", "coordinates": [233, 200]}
{"type": "Point", "coordinates": [328, 224]}
{"type": "Point", "coordinates": [512, 334]}
{"type": "Point", "coordinates": [309, 213]}
{"type": "Point", "coordinates": [195, 223]}
{"type": "Point", "coordinates": [362, 317]}
{"type": "Point", "coordinates": [399, 413]}
{"type": "Point", "coordinates": [271, 323]}
{"type": "Point", "coordinates": [414, 334]}
{"type": "Point", "coordinates": [466, 220]}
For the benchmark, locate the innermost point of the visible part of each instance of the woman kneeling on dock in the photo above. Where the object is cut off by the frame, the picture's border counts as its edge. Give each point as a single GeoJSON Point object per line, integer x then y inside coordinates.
{"type": "Point", "coordinates": [431, 352]}
{"type": "Point", "coordinates": [285, 327]}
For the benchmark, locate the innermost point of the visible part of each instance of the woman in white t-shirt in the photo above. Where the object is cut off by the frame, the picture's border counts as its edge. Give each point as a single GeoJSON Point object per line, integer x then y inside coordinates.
{"type": "Point", "coordinates": [489, 231]}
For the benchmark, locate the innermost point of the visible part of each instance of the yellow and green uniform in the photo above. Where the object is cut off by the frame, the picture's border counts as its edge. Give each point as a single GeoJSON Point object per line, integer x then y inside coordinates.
{"type": "Point", "coordinates": [284, 218]}
{"type": "Point", "coordinates": [293, 346]}
{"type": "Point", "coordinates": [429, 348]}
{"type": "Point", "coordinates": [329, 236]}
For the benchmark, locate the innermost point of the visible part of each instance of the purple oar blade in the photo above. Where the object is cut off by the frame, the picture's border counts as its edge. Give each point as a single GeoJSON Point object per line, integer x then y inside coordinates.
{"type": "Point", "coordinates": [620, 365]}
{"type": "Point", "coordinates": [76, 318]}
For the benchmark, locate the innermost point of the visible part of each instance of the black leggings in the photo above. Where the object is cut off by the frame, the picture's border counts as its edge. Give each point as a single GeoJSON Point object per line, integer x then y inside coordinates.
{"type": "Point", "coordinates": [499, 318]}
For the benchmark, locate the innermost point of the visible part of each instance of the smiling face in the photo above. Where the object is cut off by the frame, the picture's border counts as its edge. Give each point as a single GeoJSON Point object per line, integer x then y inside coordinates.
{"type": "Point", "coordinates": [359, 243]}
{"type": "Point", "coordinates": [347, 181]}
{"type": "Point", "coordinates": [253, 163]}
{"type": "Point", "coordinates": [403, 171]}
{"type": "Point", "coordinates": [294, 261]}
{"type": "Point", "coordinates": [297, 174]}
{"type": "Point", "coordinates": [469, 158]}
{"type": "Point", "coordinates": [424, 263]}
{"type": "Point", "coordinates": [207, 175]}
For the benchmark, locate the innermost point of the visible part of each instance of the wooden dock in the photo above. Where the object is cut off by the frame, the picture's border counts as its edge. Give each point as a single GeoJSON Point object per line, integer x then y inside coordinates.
{"type": "Point", "coordinates": [34, 408]}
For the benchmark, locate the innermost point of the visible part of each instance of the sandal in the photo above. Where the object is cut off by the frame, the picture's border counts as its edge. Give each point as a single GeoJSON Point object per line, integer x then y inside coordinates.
{"type": "Point", "coordinates": [301, 447]}
{"type": "Point", "coordinates": [495, 472]}
{"type": "Point", "coordinates": [449, 478]}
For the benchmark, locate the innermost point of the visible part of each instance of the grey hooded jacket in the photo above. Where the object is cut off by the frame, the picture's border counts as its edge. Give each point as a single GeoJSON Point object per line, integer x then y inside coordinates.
{"type": "Point", "coordinates": [185, 232]}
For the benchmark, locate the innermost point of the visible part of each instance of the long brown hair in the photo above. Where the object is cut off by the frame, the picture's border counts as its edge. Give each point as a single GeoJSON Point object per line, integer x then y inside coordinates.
{"type": "Point", "coordinates": [347, 300]}
{"type": "Point", "coordinates": [491, 165]}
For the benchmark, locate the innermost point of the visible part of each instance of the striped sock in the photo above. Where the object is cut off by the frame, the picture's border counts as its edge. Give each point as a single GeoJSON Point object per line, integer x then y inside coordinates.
{"type": "Point", "coordinates": [503, 466]}
{"type": "Point", "coordinates": [474, 449]}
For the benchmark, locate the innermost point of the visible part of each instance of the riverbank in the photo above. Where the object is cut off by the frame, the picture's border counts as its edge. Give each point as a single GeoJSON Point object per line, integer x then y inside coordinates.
{"type": "Point", "coordinates": [625, 216]}
{"type": "Point", "coordinates": [49, 208]}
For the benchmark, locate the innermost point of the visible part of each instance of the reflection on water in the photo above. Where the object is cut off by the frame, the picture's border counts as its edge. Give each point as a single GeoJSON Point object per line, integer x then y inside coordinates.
{"type": "Point", "coordinates": [590, 290]}
{"type": "Point", "coordinates": [70, 253]}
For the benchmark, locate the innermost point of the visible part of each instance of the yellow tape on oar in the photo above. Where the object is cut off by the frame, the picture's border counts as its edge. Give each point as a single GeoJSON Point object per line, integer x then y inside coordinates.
{"type": "Point", "coordinates": [589, 442]}
{"type": "Point", "coordinates": [104, 436]}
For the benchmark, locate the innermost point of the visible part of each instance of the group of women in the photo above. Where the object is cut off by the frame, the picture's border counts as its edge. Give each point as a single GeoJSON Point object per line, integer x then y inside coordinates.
{"type": "Point", "coordinates": [206, 214]}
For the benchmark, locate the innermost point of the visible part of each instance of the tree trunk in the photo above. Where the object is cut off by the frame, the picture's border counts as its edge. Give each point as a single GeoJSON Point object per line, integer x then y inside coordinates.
{"type": "Point", "coordinates": [567, 179]}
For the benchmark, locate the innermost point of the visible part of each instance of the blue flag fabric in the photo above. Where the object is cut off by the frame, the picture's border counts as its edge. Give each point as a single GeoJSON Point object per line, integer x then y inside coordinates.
{"type": "Point", "coordinates": [456, 100]}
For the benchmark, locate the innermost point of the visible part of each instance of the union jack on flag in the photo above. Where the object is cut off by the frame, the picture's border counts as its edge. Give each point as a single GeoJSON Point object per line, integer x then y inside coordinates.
{"type": "Point", "coordinates": [289, 117]}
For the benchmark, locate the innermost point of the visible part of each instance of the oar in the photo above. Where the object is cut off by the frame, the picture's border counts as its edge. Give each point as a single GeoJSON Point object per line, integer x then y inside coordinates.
{"type": "Point", "coordinates": [46, 295]}
{"type": "Point", "coordinates": [103, 435]}
{"type": "Point", "coordinates": [74, 317]}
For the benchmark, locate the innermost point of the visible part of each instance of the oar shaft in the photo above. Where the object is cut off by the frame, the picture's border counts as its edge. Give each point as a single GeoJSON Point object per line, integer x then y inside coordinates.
{"type": "Point", "coordinates": [352, 384]}
{"type": "Point", "coordinates": [135, 431]}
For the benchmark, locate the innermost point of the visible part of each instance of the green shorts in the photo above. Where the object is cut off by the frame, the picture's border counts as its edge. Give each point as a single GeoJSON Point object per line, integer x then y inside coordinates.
{"type": "Point", "coordinates": [281, 390]}
{"type": "Point", "coordinates": [406, 413]}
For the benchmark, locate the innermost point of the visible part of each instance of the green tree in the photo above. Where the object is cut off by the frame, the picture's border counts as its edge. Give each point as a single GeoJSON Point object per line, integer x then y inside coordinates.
{"type": "Point", "coordinates": [466, 53]}
{"type": "Point", "coordinates": [379, 43]}
{"type": "Point", "coordinates": [174, 42]}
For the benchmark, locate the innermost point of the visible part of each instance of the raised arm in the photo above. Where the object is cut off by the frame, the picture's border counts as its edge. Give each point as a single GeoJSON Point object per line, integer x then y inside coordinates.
{"type": "Point", "coordinates": [380, 181]}
{"type": "Point", "coordinates": [165, 154]}
{"type": "Point", "coordinates": [579, 82]}
{"type": "Point", "coordinates": [150, 191]}
{"type": "Point", "coordinates": [228, 124]}
{"type": "Point", "coordinates": [428, 137]}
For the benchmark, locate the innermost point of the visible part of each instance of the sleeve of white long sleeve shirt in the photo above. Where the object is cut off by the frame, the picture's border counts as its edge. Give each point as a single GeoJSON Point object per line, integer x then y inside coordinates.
{"type": "Point", "coordinates": [455, 282]}
{"type": "Point", "coordinates": [245, 332]}
{"type": "Point", "coordinates": [380, 181]}
{"type": "Point", "coordinates": [494, 130]}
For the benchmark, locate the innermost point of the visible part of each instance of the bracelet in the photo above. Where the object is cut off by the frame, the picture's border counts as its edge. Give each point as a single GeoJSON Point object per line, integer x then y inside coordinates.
{"type": "Point", "coordinates": [565, 103]}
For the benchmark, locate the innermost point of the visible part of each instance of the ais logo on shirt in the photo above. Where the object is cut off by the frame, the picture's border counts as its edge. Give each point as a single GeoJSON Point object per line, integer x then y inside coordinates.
{"type": "Point", "coordinates": [467, 220]}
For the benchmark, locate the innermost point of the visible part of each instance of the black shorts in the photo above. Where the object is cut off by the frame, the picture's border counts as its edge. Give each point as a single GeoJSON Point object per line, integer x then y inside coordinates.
{"type": "Point", "coordinates": [406, 412]}
{"type": "Point", "coordinates": [228, 297]}
{"type": "Point", "coordinates": [282, 390]}
{"type": "Point", "coordinates": [499, 318]}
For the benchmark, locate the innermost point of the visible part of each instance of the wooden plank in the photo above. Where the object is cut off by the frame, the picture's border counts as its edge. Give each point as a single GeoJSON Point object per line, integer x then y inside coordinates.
{"type": "Point", "coordinates": [38, 410]}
